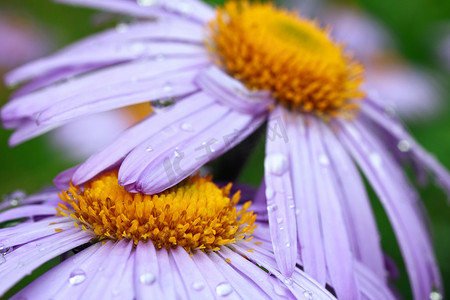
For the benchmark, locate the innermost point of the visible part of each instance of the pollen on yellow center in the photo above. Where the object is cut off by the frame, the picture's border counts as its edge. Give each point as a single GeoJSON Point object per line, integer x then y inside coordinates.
{"type": "Point", "coordinates": [270, 49]}
{"type": "Point", "coordinates": [195, 214]}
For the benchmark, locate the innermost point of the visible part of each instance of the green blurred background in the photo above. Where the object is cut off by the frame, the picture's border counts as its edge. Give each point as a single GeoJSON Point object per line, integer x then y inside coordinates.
{"type": "Point", "coordinates": [413, 25]}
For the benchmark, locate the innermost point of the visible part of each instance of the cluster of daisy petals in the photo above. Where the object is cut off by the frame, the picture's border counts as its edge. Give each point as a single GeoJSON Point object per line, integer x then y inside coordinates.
{"type": "Point", "coordinates": [195, 214]}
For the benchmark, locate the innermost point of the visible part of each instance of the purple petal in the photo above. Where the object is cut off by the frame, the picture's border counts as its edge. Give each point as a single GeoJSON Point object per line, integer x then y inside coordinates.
{"type": "Point", "coordinates": [168, 170]}
{"type": "Point", "coordinates": [26, 212]}
{"type": "Point", "coordinates": [396, 195]}
{"type": "Point", "coordinates": [306, 201]}
{"type": "Point", "coordinates": [338, 255]}
{"type": "Point", "coordinates": [23, 260]}
{"type": "Point", "coordinates": [407, 143]}
{"type": "Point", "coordinates": [355, 204]}
{"type": "Point", "coordinates": [112, 268]}
{"type": "Point", "coordinates": [146, 272]}
{"type": "Point", "coordinates": [54, 282]}
{"type": "Point", "coordinates": [280, 200]}
{"type": "Point", "coordinates": [191, 275]}
{"type": "Point", "coordinates": [136, 135]}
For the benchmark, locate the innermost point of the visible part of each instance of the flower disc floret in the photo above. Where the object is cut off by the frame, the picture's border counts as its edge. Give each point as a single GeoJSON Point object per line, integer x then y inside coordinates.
{"type": "Point", "coordinates": [270, 49]}
{"type": "Point", "coordinates": [195, 214]}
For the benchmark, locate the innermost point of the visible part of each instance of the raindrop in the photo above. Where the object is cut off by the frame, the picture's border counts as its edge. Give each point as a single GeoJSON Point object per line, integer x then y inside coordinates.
{"type": "Point", "coordinates": [149, 149]}
{"type": "Point", "coordinates": [272, 207]}
{"type": "Point", "coordinates": [186, 126]}
{"type": "Point", "coordinates": [122, 27]}
{"type": "Point", "coordinates": [308, 295]}
{"type": "Point", "coordinates": [404, 146]}
{"type": "Point", "coordinates": [77, 276]}
{"type": "Point", "coordinates": [176, 153]}
{"type": "Point", "coordinates": [198, 285]}
{"type": "Point", "coordinates": [323, 160]}
{"type": "Point", "coordinates": [288, 245]}
{"type": "Point", "coordinates": [223, 289]}
{"type": "Point", "coordinates": [146, 2]}
{"type": "Point", "coordinates": [375, 159]}
{"type": "Point", "coordinates": [4, 250]}
{"type": "Point", "coordinates": [279, 220]}
{"type": "Point", "coordinates": [167, 87]}
{"type": "Point", "coordinates": [276, 163]}
{"type": "Point", "coordinates": [160, 57]}
{"type": "Point", "coordinates": [137, 47]}
{"type": "Point", "coordinates": [279, 289]}
{"type": "Point", "coordinates": [281, 228]}
{"type": "Point", "coordinates": [435, 295]}
{"type": "Point", "coordinates": [42, 249]}
{"type": "Point", "coordinates": [297, 211]}
{"type": "Point", "coordinates": [288, 280]}
{"type": "Point", "coordinates": [147, 278]}
{"type": "Point", "coordinates": [270, 193]}
{"type": "Point", "coordinates": [292, 206]}
{"type": "Point", "coordinates": [15, 197]}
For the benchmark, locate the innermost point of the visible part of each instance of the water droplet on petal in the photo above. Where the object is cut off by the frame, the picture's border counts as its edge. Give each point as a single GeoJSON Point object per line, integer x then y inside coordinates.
{"type": "Point", "coordinates": [276, 163]}
{"type": "Point", "coordinates": [272, 207]}
{"type": "Point", "coordinates": [186, 126]}
{"type": "Point", "coordinates": [146, 2]}
{"type": "Point", "coordinates": [288, 245]}
{"type": "Point", "coordinates": [137, 47]}
{"type": "Point", "coordinates": [149, 149]}
{"type": "Point", "coordinates": [223, 289]}
{"type": "Point", "coordinates": [404, 146]}
{"type": "Point", "coordinates": [375, 159]}
{"type": "Point", "coordinates": [77, 276]}
{"type": "Point", "coordinates": [280, 289]}
{"type": "Point", "coordinates": [279, 220]}
{"type": "Point", "coordinates": [167, 87]}
{"type": "Point", "coordinates": [435, 295]}
{"type": "Point", "coordinates": [4, 250]}
{"type": "Point", "coordinates": [122, 28]}
{"type": "Point", "coordinates": [308, 295]}
{"type": "Point", "coordinates": [288, 280]}
{"type": "Point", "coordinates": [270, 193]}
{"type": "Point", "coordinates": [297, 211]}
{"type": "Point", "coordinates": [323, 160]}
{"type": "Point", "coordinates": [281, 228]}
{"type": "Point", "coordinates": [198, 285]}
{"type": "Point", "coordinates": [147, 278]}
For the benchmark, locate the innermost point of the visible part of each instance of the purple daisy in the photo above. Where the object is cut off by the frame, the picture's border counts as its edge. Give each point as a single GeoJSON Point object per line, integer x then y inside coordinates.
{"type": "Point", "coordinates": [213, 78]}
{"type": "Point", "coordinates": [193, 241]}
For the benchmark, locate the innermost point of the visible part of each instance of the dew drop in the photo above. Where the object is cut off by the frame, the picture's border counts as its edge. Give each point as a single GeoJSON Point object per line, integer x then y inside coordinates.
{"type": "Point", "coordinates": [137, 48]}
{"type": "Point", "coordinates": [276, 164]}
{"type": "Point", "coordinates": [146, 2]}
{"type": "Point", "coordinates": [198, 285]}
{"type": "Point", "coordinates": [270, 193]}
{"type": "Point", "coordinates": [279, 289]}
{"type": "Point", "coordinates": [272, 207]}
{"type": "Point", "coordinates": [404, 146]}
{"type": "Point", "coordinates": [147, 278]}
{"type": "Point", "coordinates": [288, 245]}
{"type": "Point", "coordinates": [435, 295]}
{"type": "Point", "coordinates": [297, 211]}
{"type": "Point", "coordinates": [375, 159]}
{"type": "Point", "coordinates": [4, 250]}
{"type": "Point", "coordinates": [186, 126]}
{"type": "Point", "coordinates": [323, 160]}
{"type": "Point", "coordinates": [308, 295]}
{"type": "Point", "coordinates": [77, 276]}
{"type": "Point", "coordinates": [160, 57]}
{"type": "Point", "coordinates": [281, 228]}
{"type": "Point", "coordinates": [122, 28]}
{"type": "Point", "coordinates": [223, 289]}
{"type": "Point", "coordinates": [149, 149]}
{"type": "Point", "coordinates": [167, 87]}
{"type": "Point", "coordinates": [279, 220]}
{"type": "Point", "coordinates": [288, 280]}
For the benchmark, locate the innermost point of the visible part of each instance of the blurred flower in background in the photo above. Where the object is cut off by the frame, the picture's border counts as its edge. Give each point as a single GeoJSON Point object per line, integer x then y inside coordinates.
{"type": "Point", "coordinates": [412, 91]}
{"type": "Point", "coordinates": [21, 38]}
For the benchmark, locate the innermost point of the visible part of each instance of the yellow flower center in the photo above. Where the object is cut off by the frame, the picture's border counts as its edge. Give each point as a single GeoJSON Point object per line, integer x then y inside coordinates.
{"type": "Point", "coordinates": [195, 214]}
{"type": "Point", "coordinates": [270, 49]}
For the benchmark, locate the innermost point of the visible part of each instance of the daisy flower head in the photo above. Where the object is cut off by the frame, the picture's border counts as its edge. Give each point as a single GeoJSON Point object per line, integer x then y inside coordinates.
{"type": "Point", "coordinates": [213, 77]}
{"type": "Point", "coordinates": [193, 241]}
